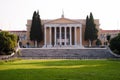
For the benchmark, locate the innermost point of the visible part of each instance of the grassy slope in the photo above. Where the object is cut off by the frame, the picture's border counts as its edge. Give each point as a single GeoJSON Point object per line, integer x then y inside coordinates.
{"type": "Point", "coordinates": [60, 70]}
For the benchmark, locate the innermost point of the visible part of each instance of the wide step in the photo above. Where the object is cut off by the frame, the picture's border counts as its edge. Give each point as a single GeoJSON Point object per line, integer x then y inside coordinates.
{"type": "Point", "coordinates": [66, 54]}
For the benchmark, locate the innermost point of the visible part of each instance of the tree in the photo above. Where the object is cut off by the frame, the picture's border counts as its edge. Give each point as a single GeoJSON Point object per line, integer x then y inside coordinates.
{"type": "Point", "coordinates": [8, 42]}
{"type": "Point", "coordinates": [36, 34]}
{"type": "Point", "coordinates": [91, 32]}
{"type": "Point", "coordinates": [39, 29]}
{"type": "Point", "coordinates": [98, 42]}
{"type": "Point", "coordinates": [18, 38]}
{"type": "Point", "coordinates": [87, 29]}
{"type": "Point", "coordinates": [20, 44]}
{"type": "Point", "coordinates": [108, 38]}
{"type": "Point", "coordinates": [115, 44]}
{"type": "Point", "coordinates": [32, 30]}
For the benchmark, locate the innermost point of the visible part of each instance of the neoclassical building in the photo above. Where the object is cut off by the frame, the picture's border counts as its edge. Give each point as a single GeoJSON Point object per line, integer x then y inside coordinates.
{"type": "Point", "coordinates": [104, 33]}
{"type": "Point", "coordinates": [62, 32]}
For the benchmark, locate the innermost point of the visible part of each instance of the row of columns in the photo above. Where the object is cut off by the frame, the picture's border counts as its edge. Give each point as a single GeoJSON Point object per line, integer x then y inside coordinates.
{"type": "Point", "coordinates": [60, 36]}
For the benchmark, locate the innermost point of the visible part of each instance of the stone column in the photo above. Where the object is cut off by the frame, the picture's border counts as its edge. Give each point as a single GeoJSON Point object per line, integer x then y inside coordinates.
{"type": "Point", "coordinates": [75, 37]}
{"type": "Point", "coordinates": [50, 35]}
{"type": "Point", "coordinates": [80, 36]}
{"type": "Point", "coordinates": [44, 36]}
{"type": "Point", "coordinates": [65, 36]}
{"type": "Point", "coordinates": [70, 36]}
{"type": "Point", "coordinates": [60, 35]}
{"type": "Point", "coordinates": [54, 36]}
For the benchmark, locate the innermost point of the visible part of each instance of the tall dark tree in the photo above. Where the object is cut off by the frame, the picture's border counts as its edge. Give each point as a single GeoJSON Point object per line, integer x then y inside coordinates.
{"type": "Point", "coordinates": [39, 29]}
{"type": "Point", "coordinates": [32, 30]}
{"type": "Point", "coordinates": [36, 34]}
{"type": "Point", "coordinates": [93, 29]}
{"type": "Point", "coordinates": [91, 32]}
{"type": "Point", "coordinates": [87, 29]}
{"type": "Point", "coordinates": [108, 38]}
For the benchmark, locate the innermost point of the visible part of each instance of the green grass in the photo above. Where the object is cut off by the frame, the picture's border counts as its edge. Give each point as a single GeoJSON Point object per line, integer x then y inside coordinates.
{"type": "Point", "coordinates": [55, 69]}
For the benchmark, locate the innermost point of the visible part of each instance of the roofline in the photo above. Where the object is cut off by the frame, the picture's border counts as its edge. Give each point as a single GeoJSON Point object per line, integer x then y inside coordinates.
{"type": "Point", "coordinates": [16, 30]}
{"type": "Point", "coordinates": [61, 18]}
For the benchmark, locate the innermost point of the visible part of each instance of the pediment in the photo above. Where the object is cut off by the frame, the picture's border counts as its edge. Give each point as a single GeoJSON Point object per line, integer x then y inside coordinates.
{"type": "Point", "coordinates": [62, 21]}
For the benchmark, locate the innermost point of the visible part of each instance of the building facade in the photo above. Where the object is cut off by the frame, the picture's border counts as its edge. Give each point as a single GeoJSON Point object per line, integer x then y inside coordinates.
{"type": "Point", "coordinates": [62, 32]}
{"type": "Point", "coordinates": [22, 37]}
{"type": "Point", "coordinates": [104, 33]}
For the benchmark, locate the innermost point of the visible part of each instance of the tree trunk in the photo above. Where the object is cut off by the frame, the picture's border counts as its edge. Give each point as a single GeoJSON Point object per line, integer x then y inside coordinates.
{"type": "Point", "coordinates": [35, 44]}
{"type": "Point", "coordinates": [89, 43]}
{"type": "Point", "coordinates": [38, 44]}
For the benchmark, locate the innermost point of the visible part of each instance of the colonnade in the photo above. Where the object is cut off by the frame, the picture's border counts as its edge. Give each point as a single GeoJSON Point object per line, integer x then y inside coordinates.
{"type": "Point", "coordinates": [60, 35]}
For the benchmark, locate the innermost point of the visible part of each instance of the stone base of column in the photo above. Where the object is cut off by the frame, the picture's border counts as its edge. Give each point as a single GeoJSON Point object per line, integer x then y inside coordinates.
{"type": "Point", "coordinates": [75, 46]}
{"type": "Point", "coordinates": [81, 46]}
{"type": "Point", "coordinates": [44, 46]}
{"type": "Point", "coordinates": [64, 46]}
{"type": "Point", "coordinates": [56, 45]}
{"type": "Point", "coordinates": [49, 46]}
{"type": "Point", "coordinates": [78, 46]}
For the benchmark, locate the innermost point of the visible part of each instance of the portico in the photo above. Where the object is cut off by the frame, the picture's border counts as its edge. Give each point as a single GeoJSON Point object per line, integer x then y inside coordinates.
{"type": "Point", "coordinates": [62, 35]}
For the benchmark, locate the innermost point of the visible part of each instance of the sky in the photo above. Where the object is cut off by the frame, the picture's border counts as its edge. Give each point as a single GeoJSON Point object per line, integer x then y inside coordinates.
{"type": "Point", "coordinates": [15, 13]}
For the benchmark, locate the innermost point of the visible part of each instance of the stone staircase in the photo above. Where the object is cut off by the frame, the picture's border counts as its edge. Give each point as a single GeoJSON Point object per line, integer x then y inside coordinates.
{"type": "Point", "coordinates": [39, 53]}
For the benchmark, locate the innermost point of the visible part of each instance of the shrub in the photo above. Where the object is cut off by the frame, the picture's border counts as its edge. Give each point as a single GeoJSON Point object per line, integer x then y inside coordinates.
{"type": "Point", "coordinates": [8, 42]}
{"type": "Point", "coordinates": [98, 42]}
{"type": "Point", "coordinates": [115, 44]}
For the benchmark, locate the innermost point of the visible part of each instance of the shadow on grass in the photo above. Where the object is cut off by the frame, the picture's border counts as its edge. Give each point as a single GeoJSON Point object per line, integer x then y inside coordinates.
{"type": "Point", "coordinates": [93, 73]}
{"type": "Point", "coordinates": [42, 74]}
{"type": "Point", "coordinates": [114, 59]}
{"type": "Point", "coordinates": [58, 62]}
{"type": "Point", "coordinates": [60, 70]}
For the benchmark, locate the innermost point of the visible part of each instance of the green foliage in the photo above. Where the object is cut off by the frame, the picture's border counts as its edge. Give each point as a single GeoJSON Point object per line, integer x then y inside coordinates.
{"type": "Point", "coordinates": [7, 42]}
{"type": "Point", "coordinates": [108, 37]}
{"type": "Point", "coordinates": [98, 42]}
{"type": "Point", "coordinates": [60, 70]}
{"type": "Point", "coordinates": [91, 32]}
{"type": "Point", "coordinates": [18, 38]}
{"type": "Point", "coordinates": [87, 29]}
{"type": "Point", "coordinates": [32, 35]}
{"type": "Point", "coordinates": [115, 44]}
{"type": "Point", "coordinates": [20, 43]}
{"type": "Point", "coordinates": [36, 33]}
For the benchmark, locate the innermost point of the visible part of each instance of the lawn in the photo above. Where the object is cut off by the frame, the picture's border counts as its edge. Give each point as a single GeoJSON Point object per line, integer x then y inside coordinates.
{"type": "Point", "coordinates": [56, 69]}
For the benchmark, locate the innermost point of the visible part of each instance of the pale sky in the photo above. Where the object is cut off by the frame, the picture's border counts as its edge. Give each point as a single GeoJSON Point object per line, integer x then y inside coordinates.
{"type": "Point", "coordinates": [14, 13]}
